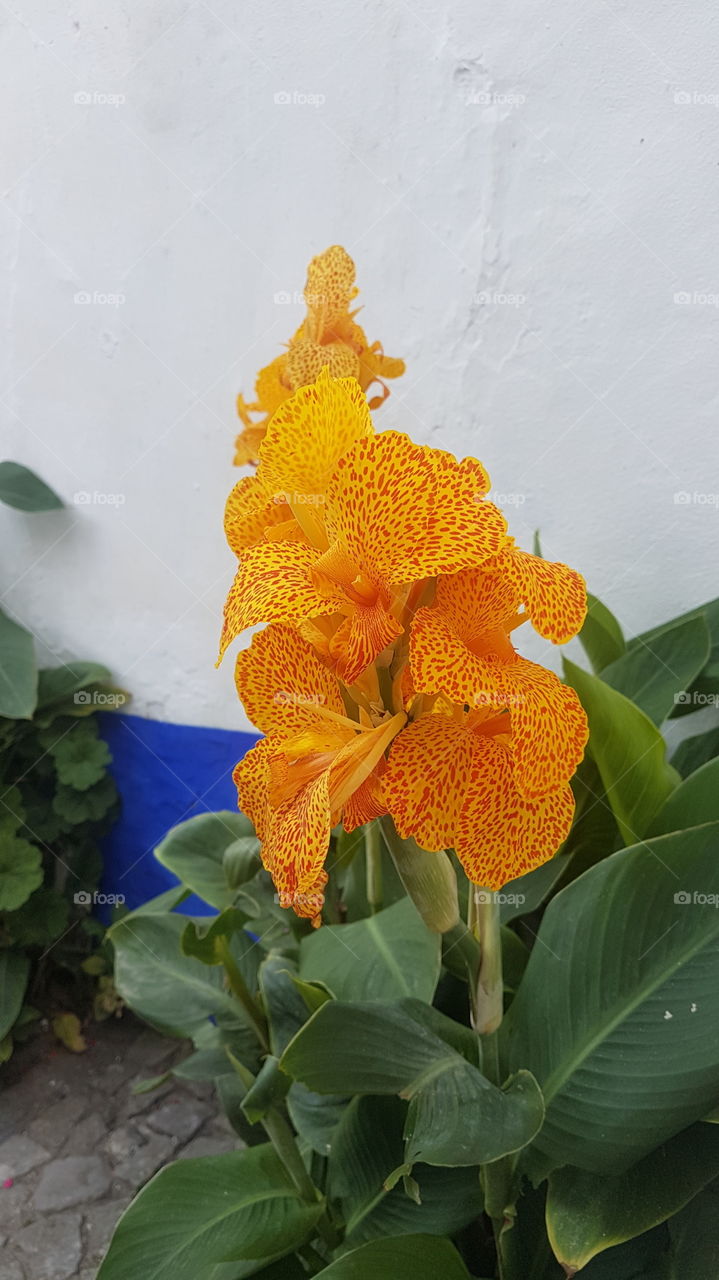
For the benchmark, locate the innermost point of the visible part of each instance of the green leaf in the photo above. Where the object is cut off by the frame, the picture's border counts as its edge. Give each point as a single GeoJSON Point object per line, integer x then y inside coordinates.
{"type": "Point", "coordinates": [175, 992]}
{"type": "Point", "coordinates": [624, 1060]}
{"type": "Point", "coordinates": [200, 937]}
{"type": "Point", "coordinates": [269, 1091]}
{"type": "Point", "coordinates": [14, 974]}
{"type": "Point", "coordinates": [40, 920]}
{"type": "Point", "coordinates": [385, 957]}
{"type": "Point", "coordinates": [696, 800]}
{"type": "Point", "coordinates": [209, 1210]}
{"type": "Point", "coordinates": [588, 1213]}
{"type": "Point", "coordinates": [20, 870]}
{"type": "Point", "coordinates": [18, 670]}
{"type": "Point", "coordinates": [284, 1006]}
{"type": "Point", "coordinates": [367, 1146]}
{"type": "Point", "coordinates": [629, 752]}
{"type": "Point", "coordinates": [91, 805]}
{"type": "Point", "coordinates": [81, 756]}
{"type": "Point", "coordinates": [420, 1257]}
{"type": "Point", "coordinates": [22, 489]}
{"type": "Point", "coordinates": [601, 635]}
{"type": "Point", "coordinates": [456, 1116]}
{"type": "Point", "coordinates": [525, 894]}
{"type": "Point", "coordinates": [693, 752]}
{"type": "Point", "coordinates": [315, 1116]}
{"type": "Point", "coordinates": [695, 1237]}
{"type": "Point", "coordinates": [57, 684]}
{"type": "Point", "coordinates": [194, 852]}
{"type": "Point", "coordinates": [656, 674]}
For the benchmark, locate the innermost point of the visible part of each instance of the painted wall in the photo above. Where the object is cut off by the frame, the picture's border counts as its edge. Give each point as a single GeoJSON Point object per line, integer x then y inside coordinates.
{"type": "Point", "coordinates": [531, 192]}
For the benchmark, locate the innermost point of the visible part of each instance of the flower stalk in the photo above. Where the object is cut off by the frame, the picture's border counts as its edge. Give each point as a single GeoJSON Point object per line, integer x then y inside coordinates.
{"type": "Point", "coordinates": [429, 879]}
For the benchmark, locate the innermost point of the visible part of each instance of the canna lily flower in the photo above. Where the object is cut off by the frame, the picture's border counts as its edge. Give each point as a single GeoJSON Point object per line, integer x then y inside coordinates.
{"type": "Point", "coordinates": [451, 783]}
{"type": "Point", "coordinates": [460, 647]}
{"type": "Point", "coordinates": [314, 767]}
{"type": "Point", "coordinates": [394, 513]}
{"type": "Point", "coordinates": [329, 338]}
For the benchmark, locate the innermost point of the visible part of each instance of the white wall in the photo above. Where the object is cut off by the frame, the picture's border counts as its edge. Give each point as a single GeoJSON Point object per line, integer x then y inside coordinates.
{"type": "Point", "coordinates": [563, 153]}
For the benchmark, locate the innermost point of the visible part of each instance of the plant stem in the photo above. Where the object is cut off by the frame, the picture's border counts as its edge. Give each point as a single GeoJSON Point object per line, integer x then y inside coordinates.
{"type": "Point", "coordinates": [489, 996]}
{"type": "Point", "coordinates": [429, 879]}
{"type": "Point", "coordinates": [373, 852]}
{"type": "Point", "coordinates": [239, 988]}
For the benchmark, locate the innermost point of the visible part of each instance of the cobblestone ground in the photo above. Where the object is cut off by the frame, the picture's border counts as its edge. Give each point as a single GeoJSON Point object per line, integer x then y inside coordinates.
{"type": "Point", "coordinates": [76, 1144]}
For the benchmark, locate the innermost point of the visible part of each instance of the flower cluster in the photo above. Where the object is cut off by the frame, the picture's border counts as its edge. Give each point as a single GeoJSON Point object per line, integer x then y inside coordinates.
{"type": "Point", "coordinates": [387, 680]}
{"type": "Point", "coordinates": [330, 338]}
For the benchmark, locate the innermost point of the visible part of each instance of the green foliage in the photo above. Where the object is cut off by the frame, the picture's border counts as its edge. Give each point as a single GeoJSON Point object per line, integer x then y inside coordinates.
{"type": "Point", "coordinates": [402, 1144]}
{"type": "Point", "coordinates": [22, 489]}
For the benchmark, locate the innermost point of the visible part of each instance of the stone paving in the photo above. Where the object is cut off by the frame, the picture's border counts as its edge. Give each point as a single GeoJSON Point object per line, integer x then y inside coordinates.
{"type": "Point", "coordinates": [76, 1144]}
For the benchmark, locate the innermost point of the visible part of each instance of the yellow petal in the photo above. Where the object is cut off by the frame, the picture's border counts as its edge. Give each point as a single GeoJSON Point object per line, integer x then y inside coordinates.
{"type": "Point", "coordinates": [426, 780]}
{"type": "Point", "coordinates": [282, 683]}
{"type": "Point", "coordinates": [554, 594]}
{"type": "Point", "coordinates": [500, 834]}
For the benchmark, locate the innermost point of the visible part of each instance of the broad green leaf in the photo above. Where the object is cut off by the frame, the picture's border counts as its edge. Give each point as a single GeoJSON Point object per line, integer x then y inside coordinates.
{"type": "Point", "coordinates": [527, 892]}
{"type": "Point", "coordinates": [14, 973]}
{"type": "Point", "coordinates": [385, 957]}
{"type": "Point", "coordinates": [40, 920]}
{"type": "Point", "coordinates": [705, 688]}
{"type": "Point", "coordinates": [284, 1006]}
{"type": "Point", "coordinates": [22, 489]}
{"type": "Point", "coordinates": [456, 1116]}
{"type": "Point", "coordinates": [595, 833]}
{"type": "Point", "coordinates": [656, 674]}
{"type": "Point", "coordinates": [601, 635]}
{"type": "Point", "coordinates": [201, 937]}
{"type": "Point", "coordinates": [588, 1213]}
{"type": "Point", "coordinates": [695, 1237]}
{"type": "Point", "coordinates": [367, 1146]}
{"type": "Point", "coordinates": [628, 750]}
{"type": "Point", "coordinates": [416, 1257]}
{"type": "Point", "coordinates": [56, 684]}
{"type": "Point", "coordinates": [315, 1116]}
{"type": "Point", "coordinates": [20, 870]}
{"type": "Point", "coordinates": [624, 1059]}
{"type": "Point", "coordinates": [268, 1091]}
{"type": "Point", "coordinates": [209, 1210]}
{"type": "Point", "coordinates": [645, 1258]}
{"type": "Point", "coordinates": [18, 670]}
{"type": "Point", "coordinates": [696, 800]}
{"type": "Point", "coordinates": [194, 852]}
{"type": "Point", "coordinates": [693, 752]}
{"type": "Point", "coordinates": [89, 805]}
{"type": "Point", "coordinates": [175, 992]}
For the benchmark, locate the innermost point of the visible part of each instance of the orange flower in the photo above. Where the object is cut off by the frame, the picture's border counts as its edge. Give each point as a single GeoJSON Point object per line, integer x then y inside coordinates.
{"type": "Point", "coordinates": [461, 648]}
{"type": "Point", "coordinates": [451, 783]}
{"type": "Point", "coordinates": [329, 338]}
{"type": "Point", "coordinates": [314, 767]}
{"type": "Point", "coordinates": [390, 513]}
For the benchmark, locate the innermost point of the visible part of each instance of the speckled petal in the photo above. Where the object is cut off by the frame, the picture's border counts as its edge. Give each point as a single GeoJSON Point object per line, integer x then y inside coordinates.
{"type": "Point", "coordinates": [500, 834]}
{"type": "Point", "coordinates": [273, 584]}
{"type": "Point", "coordinates": [555, 595]}
{"type": "Point", "coordinates": [549, 726]}
{"type": "Point", "coordinates": [282, 683]}
{"type": "Point", "coordinates": [427, 776]}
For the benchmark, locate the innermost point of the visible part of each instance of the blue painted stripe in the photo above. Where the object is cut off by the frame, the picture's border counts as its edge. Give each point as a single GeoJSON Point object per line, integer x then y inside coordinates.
{"type": "Point", "coordinates": [165, 773]}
